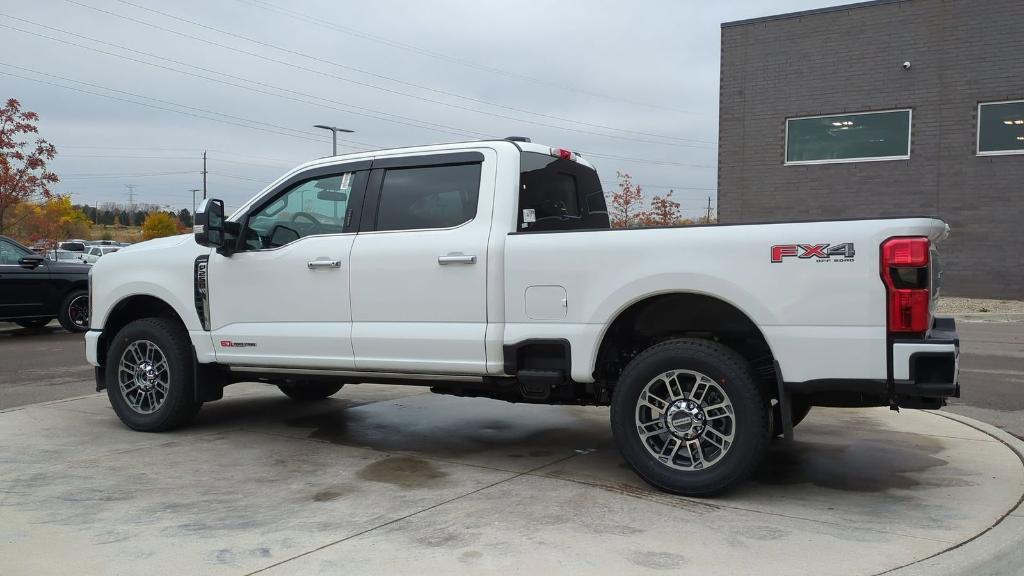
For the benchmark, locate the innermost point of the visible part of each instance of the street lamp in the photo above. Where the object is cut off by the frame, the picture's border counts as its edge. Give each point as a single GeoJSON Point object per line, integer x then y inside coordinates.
{"type": "Point", "coordinates": [334, 136]}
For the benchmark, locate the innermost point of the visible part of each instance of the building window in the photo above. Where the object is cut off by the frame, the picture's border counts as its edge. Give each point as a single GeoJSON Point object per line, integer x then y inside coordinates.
{"type": "Point", "coordinates": [861, 137]}
{"type": "Point", "coordinates": [1001, 128]}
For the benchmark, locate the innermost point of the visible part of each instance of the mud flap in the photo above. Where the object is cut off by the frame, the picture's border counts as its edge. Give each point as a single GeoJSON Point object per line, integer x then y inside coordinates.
{"type": "Point", "coordinates": [785, 404]}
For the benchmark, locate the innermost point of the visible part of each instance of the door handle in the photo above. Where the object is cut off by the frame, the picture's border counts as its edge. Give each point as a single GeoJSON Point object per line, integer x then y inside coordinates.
{"type": "Point", "coordinates": [313, 264]}
{"type": "Point", "coordinates": [456, 258]}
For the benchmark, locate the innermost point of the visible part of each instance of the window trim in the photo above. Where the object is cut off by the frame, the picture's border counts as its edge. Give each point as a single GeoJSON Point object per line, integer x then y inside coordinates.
{"type": "Point", "coordinates": [910, 138]}
{"type": "Point", "coordinates": [977, 136]}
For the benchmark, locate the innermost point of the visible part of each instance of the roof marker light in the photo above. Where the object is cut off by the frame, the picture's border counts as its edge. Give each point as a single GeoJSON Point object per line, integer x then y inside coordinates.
{"type": "Point", "coordinates": [563, 153]}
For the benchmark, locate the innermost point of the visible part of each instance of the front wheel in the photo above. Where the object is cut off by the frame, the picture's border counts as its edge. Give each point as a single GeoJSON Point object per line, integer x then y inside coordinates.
{"type": "Point", "coordinates": [74, 311]}
{"type": "Point", "coordinates": [150, 377]}
{"type": "Point", "coordinates": [309, 391]}
{"type": "Point", "coordinates": [689, 417]}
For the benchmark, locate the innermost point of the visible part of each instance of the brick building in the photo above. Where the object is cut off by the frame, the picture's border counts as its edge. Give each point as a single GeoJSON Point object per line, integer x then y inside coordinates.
{"type": "Point", "coordinates": [884, 108]}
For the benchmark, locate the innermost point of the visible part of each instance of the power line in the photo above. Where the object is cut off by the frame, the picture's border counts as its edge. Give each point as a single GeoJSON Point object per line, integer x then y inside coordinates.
{"type": "Point", "coordinates": [93, 176]}
{"type": "Point", "coordinates": [319, 21]}
{"type": "Point", "coordinates": [399, 81]}
{"type": "Point", "coordinates": [365, 84]}
{"type": "Point", "coordinates": [489, 136]}
{"type": "Point", "coordinates": [157, 148]}
{"type": "Point", "coordinates": [301, 137]}
{"type": "Point", "coordinates": [405, 121]}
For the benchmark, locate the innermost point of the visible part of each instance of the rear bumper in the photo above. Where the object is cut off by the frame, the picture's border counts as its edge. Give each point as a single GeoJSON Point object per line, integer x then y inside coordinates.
{"type": "Point", "coordinates": [928, 368]}
{"type": "Point", "coordinates": [923, 373]}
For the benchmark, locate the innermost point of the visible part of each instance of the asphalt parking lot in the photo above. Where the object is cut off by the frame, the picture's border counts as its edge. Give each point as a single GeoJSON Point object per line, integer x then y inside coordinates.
{"type": "Point", "coordinates": [387, 479]}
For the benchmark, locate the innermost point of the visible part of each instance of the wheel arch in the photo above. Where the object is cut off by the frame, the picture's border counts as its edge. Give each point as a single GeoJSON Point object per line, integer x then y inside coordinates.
{"type": "Point", "coordinates": [657, 317]}
{"type": "Point", "coordinates": [130, 308]}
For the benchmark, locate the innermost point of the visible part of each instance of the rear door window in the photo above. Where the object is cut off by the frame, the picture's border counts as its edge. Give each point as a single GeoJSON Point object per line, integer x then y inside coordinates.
{"type": "Point", "coordinates": [428, 197]}
{"type": "Point", "coordinates": [559, 194]}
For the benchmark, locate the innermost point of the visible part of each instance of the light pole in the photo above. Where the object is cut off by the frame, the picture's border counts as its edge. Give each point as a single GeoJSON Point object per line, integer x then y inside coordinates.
{"type": "Point", "coordinates": [334, 136]}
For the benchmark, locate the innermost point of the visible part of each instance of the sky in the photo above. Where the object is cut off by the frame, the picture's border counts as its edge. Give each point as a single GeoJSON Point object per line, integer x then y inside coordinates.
{"type": "Point", "coordinates": [132, 92]}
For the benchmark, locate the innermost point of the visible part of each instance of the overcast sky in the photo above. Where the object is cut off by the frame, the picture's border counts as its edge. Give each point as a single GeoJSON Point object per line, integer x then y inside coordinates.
{"type": "Point", "coordinates": [632, 85]}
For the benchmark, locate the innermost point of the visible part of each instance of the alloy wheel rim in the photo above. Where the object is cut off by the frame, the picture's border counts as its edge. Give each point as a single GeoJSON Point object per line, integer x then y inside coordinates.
{"type": "Point", "coordinates": [685, 420]}
{"type": "Point", "coordinates": [144, 376]}
{"type": "Point", "coordinates": [78, 311]}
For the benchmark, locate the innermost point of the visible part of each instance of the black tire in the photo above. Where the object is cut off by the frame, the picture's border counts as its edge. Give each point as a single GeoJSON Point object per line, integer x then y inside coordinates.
{"type": "Point", "coordinates": [309, 391]}
{"type": "Point", "coordinates": [34, 323]}
{"type": "Point", "coordinates": [730, 372]}
{"type": "Point", "coordinates": [179, 405]}
{"type": "Point", "coordinates": [799, 409]}
{"type": "Point", "coordinates": [70, 315]}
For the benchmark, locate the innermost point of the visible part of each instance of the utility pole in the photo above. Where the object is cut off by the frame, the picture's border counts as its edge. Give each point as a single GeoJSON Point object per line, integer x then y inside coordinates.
{"type": "Point", "coordinates": [131, 203]}
{"type": "Point", "coordinates": [193, 191]}
{"type": "Point", "coordinates": [204, 175]}
{"type": "Point", "coordinates": [334, 136]}
{"type": "Point", "coordinates": [707, 219]}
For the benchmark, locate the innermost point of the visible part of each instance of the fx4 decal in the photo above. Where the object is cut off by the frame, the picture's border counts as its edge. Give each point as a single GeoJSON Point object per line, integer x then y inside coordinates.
{"type": "Point", "coordinates": [823, 252]}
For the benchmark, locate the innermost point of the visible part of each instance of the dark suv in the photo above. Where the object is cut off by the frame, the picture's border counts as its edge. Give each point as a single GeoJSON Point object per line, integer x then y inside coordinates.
{"type": "Point", "coordinates": [35, 290]}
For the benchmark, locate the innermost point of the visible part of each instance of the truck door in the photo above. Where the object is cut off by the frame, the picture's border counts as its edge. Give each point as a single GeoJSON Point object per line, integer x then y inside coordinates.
{"type": "Point", "coordinates": [419, 264]}
{"type": "Point", "coordinates": [23, 291]}
{"type": "Point", "coordinates": [283, 299]}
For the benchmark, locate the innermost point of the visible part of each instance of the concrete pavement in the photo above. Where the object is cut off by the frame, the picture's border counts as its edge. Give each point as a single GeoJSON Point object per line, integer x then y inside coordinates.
{"type": "Point", "coordinates": [388, 480]}
{"type": "Point", "coordinates": [992, 373]}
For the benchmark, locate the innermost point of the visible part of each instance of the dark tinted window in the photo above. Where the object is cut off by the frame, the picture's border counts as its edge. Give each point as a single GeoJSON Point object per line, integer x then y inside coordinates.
{"type": "Point", "coordinates": [557, 194]}
{"type": "Point", "coordinates": [849, 137]}
{"type": "Point", "coordinates": [1001, 128]}
{"type": "Point", "coordinates": [431, 197]}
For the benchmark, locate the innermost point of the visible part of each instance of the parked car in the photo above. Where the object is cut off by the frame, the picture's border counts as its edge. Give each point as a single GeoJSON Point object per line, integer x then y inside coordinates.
{"type": "Point", "coordinates": [72, 245]}
{"type": "Point", "coordinates": [65, 256]}
{"type": "Point", "coordinates": [34, 290]}
{"type": "Point", "coordinates": [93, 253]}
{"type": "Point", "coordinates": [488, 269]}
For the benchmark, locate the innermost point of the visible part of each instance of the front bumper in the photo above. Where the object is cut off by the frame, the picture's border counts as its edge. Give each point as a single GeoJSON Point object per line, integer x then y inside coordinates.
{"type": "Point", "coordinates": [92, 344]}
{"type": "Point", "coordinates": [929, 368]}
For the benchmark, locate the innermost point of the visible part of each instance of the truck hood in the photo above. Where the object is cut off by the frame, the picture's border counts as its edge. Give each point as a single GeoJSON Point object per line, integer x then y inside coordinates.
{"type": "Point", "coordinates": [157, 243]}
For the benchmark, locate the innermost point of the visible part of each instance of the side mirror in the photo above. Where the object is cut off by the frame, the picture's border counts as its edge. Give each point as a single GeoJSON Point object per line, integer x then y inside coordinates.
{"type": "Point", "coordinates": [31, 261]}
{"type": "Point", "coordinates": [209, 223]}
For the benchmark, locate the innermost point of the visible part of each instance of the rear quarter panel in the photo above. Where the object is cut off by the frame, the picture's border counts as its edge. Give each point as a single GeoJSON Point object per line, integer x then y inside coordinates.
{"type": "Point", "coordinates": [822, 318]}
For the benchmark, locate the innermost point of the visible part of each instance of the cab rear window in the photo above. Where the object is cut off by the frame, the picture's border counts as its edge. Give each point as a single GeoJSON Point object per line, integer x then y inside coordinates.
{"type": "Point", "coordinates": [559, 194]}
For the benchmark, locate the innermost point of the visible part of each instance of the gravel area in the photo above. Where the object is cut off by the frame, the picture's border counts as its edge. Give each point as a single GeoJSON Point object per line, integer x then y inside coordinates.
{"type": "Point", "coordinates": [974, 305]}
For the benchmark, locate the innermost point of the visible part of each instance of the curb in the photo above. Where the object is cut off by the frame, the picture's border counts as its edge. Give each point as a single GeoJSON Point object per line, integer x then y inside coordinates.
{"type": "Point", "coordinates": [997, 551]}
{"type": "Point", "coordinates": [987, 316]}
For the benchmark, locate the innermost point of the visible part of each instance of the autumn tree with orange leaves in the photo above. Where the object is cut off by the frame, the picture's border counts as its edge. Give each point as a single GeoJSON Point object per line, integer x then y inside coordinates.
{"type": "Point", "coordinates": [23, 173]}
{"type": "Point", "coordinates": [664, 211]}
{"type": "Point", "coordinates": [627, 209]}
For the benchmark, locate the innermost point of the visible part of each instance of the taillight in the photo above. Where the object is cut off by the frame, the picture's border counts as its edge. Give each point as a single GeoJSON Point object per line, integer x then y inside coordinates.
{"type": "Point", "coordinates": [905, 273]}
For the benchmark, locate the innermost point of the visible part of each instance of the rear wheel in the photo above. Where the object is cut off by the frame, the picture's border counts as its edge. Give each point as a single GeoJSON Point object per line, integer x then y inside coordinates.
{"type": "Point", "coordinates": [309, 391]}
{"type": "Point", "coordinates": [150, 377]}
{"type": "Point", "coordinates": [689, 417]}
{"type": "Point", "coordinates": [34, 323]}
{"type": "Point", "coordinates": [74, 311]}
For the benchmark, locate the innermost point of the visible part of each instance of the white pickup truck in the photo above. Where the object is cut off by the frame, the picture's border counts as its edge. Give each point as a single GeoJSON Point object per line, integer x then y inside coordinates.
{"type": "Point", "coordinates": [489, 269]}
